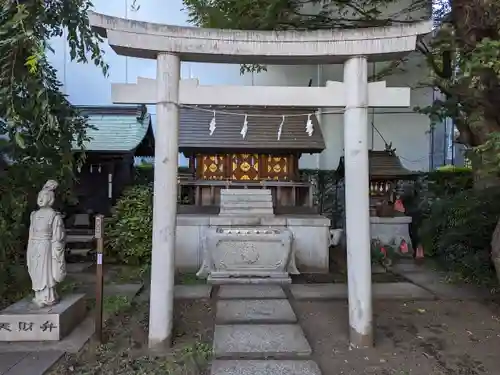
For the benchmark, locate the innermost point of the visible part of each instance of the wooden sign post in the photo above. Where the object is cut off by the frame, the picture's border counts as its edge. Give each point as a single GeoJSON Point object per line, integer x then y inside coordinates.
{"type": "Point", "coordinates": [99, 229]}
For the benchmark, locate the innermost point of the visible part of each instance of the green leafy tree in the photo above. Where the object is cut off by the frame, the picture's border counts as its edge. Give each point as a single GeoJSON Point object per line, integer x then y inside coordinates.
{"type": "Point", "coordinates": [38, 123]}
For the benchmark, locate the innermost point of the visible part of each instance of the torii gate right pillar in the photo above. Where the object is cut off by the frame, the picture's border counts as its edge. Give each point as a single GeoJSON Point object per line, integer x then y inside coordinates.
{"type": "Point", "coordinates": [357, 205]}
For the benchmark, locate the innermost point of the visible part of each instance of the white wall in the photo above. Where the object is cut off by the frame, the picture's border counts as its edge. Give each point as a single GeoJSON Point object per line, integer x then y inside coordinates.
{"type": "Point", "coordinates": [407, 130]}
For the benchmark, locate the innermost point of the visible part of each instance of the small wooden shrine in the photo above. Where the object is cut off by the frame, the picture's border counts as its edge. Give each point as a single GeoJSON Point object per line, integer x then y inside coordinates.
{"type": "Point", "coordinates": [117, 135]}
{"type": "Point", "coordinates": [385, 172]}
{"type": "Point", "coordinates": [260, 159]}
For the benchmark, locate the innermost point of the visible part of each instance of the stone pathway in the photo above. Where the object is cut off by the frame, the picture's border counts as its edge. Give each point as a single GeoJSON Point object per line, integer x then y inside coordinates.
{"type": "Point", "coordinates": [435, 282]}
{"type": "Point", "coordinates": [22, 363]}
{"type": "Point", "coordinates": [256, 333]}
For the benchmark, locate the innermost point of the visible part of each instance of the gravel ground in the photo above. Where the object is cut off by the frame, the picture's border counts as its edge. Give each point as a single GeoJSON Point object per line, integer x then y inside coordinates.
{"type": "Point", "coordinates": [421, 338]}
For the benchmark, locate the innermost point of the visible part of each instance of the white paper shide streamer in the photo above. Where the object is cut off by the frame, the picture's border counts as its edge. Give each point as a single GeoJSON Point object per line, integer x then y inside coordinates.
{"type": "Point", "coordinates": [280, 129]}
{"type": "Point", "coordinates": [212, 125]}
{"type": "Point", "coordinates": [309, 126]}
{"type": "Point", "coordinates": [244, 129]}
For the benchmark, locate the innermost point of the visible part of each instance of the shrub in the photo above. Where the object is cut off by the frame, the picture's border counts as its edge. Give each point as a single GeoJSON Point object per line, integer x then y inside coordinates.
{"type": "Point", "coordinates": [441, 184]}
{"type": "Point", "coordinates": [458, 231]}
{"type": "Point", "coordinates": [129, 230]}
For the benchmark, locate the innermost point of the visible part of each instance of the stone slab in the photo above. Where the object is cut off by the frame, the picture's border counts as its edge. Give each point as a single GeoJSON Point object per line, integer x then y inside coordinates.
{"type": "Point", "coordinates": [23, 321]}
{"type": "Point", "coordinates": [318, 291]}
{"type": "Point", "coordinates": [70, 344]}
{"type": "Point", "coordinates": [260, 341]}
{"type": "Point", "coordinates": [127, 290]}
{"type": "Point", "coordinates": [254, 311]}
{"type": "Point", "coordinates": [377, 269]}
{"type": "Point", "coordinates": [391, 291]}
{"type": "Point", "coordinates": [251, 292]}
{"type": "Point", "coordinates": [192, 291]}
{"type": "Point", "coordinates": [245, 280]}
{"type": "Point", "coordinates": [36, 363]}
{"type": "Point", "coordinates": [435, 283]}
{"type": "Point", "coordinates": [9, 360]}
{"type": "Point", "coordinates": [400, 291]}
{"type": "Point", "coordinates": [404, 267]}
{"type": "Point", "coordinates": [263, 367]}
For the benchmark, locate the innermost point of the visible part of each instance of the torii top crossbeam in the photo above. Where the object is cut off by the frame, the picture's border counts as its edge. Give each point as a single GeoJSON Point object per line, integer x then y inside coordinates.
{"type": "Point", "coordinates": [146, 40]}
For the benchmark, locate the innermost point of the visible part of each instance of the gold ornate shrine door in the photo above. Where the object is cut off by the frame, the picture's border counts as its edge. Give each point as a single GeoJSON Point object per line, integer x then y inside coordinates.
{"type": "Point", "coordinates": [245, 167]}
{"type": "Point", "coordinates": [212, 167]}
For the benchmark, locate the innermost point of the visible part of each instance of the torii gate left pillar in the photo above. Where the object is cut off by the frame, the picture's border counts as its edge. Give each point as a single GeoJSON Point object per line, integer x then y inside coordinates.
{"type": "Point", "coordinates": [165, 199]}
{"type": "Point", "coordinates": [353, 47]}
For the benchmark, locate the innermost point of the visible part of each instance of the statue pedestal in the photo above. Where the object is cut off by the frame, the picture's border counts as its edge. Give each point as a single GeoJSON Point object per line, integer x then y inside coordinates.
{"type": "Point", "coordinates": [23, 321]}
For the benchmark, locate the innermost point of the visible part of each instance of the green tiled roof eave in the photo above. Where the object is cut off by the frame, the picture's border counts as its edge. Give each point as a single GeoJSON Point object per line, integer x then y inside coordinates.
{"type": "Point", "coordinates": [115, 133]}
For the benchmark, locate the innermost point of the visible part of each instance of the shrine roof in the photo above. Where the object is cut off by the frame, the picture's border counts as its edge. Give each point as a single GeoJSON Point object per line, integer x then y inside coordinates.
{"type": "Point", "coordinates": [262, 134]}
{"type": "Point", "coordinates": [118, 129]}
{"type": "Point", "coordinates": [383, 165]}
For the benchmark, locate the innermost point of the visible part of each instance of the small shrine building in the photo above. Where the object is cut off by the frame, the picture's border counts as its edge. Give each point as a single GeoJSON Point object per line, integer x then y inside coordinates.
{"type": "Point", "coordinates": [261, 158]}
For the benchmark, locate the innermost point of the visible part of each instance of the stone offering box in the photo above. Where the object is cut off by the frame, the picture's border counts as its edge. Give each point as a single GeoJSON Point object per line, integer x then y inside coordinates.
{"type": "Point", "coordinates": [248, 255]}
{"type": "Point", "coordinates": [23, 321]}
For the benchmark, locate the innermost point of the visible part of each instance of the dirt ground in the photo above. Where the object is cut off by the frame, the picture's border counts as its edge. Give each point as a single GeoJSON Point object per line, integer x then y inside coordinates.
{"type": "Point", "coordinates": [412, 338]}
{"type": "Point", "coordinates": [125, 351]}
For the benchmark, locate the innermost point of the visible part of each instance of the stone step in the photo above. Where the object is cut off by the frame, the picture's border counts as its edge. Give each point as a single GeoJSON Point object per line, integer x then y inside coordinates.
{"type": "Point", "coordinates": [260, 341]}
{"type": "Point", "coordinates": [248, 212]}
{"type": "Point", "coordinates": [248, 198]}
{"type": "Point", "coordinates": [254, 311]}
{"type": "Point", "coordinates": [245, 192]}
{"type": "Point", "coordinates": [251, 292]}
{"type": "Point", "coordinates": [264, 367]}
{"type": "Point", "coordinates": [246, 205]}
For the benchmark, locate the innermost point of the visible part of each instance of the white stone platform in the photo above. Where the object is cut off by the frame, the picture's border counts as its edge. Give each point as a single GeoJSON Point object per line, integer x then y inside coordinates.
{"type": "Point", "coordinates": [23, 321]}
{"type": "Point", "coordinates": [310, 237]}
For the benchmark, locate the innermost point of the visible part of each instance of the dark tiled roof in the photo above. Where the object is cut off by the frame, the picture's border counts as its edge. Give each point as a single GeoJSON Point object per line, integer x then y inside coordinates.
{"type": "Point", "coordinates": [262, 131]}
{"type": "Point", "coordinates": [383, 165]}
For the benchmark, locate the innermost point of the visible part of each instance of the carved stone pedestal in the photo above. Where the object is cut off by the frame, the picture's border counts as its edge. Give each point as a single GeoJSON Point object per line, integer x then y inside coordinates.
{"type": "Point", "coordinates": [23, 321]}
{"type": "Point", "coordinates": [248, 255]}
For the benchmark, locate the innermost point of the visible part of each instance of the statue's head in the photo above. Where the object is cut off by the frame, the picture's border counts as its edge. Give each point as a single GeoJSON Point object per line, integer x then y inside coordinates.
{"type": "Point", "coordinates": [46, 196]}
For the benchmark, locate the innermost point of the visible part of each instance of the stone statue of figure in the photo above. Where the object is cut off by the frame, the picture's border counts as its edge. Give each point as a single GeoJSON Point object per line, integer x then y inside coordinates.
{"type": "Point", "coordinates": [46, 246]}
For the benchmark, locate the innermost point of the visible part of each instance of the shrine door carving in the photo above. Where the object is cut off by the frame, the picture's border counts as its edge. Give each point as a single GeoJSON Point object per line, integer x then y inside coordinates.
{"type": "Point", "coordinates": [213, 167]}
{"type": "Point", "coordinates": [245, 167]}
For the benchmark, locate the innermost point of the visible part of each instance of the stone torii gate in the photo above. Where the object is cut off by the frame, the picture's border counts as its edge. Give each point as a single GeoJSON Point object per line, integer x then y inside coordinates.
{"type": "Point", "coordinates": [171, 44]}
